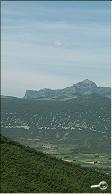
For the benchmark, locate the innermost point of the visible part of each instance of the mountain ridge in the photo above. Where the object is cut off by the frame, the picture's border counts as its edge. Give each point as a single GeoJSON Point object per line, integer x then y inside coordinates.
{"type": "Point", "coordinates": [85, 87]}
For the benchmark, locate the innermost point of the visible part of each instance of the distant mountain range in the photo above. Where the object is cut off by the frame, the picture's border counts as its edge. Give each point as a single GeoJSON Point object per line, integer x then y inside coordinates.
{"type": "Point", "coordinates": [85, 87]}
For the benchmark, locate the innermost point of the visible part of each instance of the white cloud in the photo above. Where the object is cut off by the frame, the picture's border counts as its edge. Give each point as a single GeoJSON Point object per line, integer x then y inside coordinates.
{"type": "Point", "coordinates": [18, 53]}
{"type": "Point", "coordinates": [58, 43]}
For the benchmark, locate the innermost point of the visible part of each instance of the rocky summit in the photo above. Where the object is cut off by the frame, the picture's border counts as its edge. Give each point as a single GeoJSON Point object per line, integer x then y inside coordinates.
{"type": "Point", "coordinates": [85, 87]}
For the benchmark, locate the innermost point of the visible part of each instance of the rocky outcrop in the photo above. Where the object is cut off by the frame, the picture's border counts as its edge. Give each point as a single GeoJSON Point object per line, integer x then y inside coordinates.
{"type": "Point", "coordinates": [86, 87]}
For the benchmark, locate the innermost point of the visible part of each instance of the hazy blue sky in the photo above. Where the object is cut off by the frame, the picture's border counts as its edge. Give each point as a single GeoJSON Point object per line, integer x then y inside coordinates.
{"type": "Point", "coordinates": [54, 44]}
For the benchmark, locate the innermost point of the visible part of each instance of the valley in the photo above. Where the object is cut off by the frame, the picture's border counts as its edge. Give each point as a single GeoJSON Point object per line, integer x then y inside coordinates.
{"type": "Point", "coordinates": [76, 130]}
{"type": "Point", "coordinates": [100, 162]}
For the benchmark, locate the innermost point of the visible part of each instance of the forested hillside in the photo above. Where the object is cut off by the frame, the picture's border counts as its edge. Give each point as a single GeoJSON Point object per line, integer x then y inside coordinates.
{"type": "Point", "coordinates": [25, 170]}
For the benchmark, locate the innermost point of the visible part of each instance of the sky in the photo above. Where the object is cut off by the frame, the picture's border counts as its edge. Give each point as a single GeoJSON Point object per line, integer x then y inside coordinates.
{"type": "Point", "coordinates": [54, 44]}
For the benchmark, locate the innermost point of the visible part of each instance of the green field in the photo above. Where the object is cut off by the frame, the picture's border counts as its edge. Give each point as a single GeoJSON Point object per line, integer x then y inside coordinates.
{"type": "Point", "coordinates": [100, 162]}
{"type": "Point", "coordinates": [66, 152]}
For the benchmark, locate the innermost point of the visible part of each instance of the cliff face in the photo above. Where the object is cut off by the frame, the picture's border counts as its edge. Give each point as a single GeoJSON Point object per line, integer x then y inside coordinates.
{"type": "Point", "coordinates": [85, 87]}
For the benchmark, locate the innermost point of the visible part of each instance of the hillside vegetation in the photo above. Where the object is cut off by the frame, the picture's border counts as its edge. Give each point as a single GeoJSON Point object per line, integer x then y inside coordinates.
{"type": "Point", "coordinates": [83, 122]}
{"type": "Point", "coordinates": [25, 170]}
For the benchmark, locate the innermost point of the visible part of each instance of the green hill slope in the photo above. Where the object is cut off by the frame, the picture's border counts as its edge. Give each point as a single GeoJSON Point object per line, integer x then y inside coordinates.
{"type": "Point", "coordinates": [25, 170]}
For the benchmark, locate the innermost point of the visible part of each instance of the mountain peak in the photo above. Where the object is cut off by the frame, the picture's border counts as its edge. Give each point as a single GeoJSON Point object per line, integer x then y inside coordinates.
{"type": "Point", "coordinates": [86, 82]}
